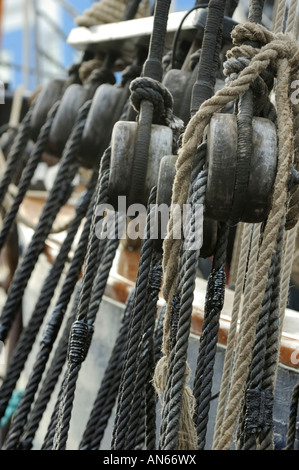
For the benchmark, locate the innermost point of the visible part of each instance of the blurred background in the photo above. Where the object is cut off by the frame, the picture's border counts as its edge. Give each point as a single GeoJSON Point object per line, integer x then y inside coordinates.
{"type": "Point", "coordinates": [34, 33]}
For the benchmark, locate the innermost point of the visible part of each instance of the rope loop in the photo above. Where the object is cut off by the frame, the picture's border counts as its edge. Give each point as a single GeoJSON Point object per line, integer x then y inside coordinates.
{"type": "Point", "coordinates": [145, 88]}
{"type": "Point", "coordinates": [80, 339]}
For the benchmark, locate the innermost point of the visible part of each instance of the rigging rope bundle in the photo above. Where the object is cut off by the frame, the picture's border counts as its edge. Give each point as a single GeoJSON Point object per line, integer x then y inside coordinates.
{"type": "Point", "coordinates": [110, 11]}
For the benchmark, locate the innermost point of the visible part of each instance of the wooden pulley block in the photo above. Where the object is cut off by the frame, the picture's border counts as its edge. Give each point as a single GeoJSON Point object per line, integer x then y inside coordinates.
{"type": "Point", "coordinates": [106, 109]}
{"type": "Point", "coordinates": [47, 97]}
{"type": "Point", "coordinates": [122, 159]}
{"type": "Point", "coordinates": [180, 84]}
{"type": "Point", "coordinates": [231, 179]}
{"type": "Point", "coordinates": [73, 98]}
{"type": "Point", "coordinates": [164, 195]}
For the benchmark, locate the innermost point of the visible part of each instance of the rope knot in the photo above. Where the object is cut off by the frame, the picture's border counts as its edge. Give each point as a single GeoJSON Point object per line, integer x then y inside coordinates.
{"type": "Point", "coordinates": [80, 340]}
{"type": "Point", "coordinates": [145, 88]}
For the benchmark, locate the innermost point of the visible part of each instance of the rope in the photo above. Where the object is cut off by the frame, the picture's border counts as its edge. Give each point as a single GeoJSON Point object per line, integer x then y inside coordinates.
{"type": "Point", "coordinates": [15, 153]}
{"type": "Point", "coordinates": [293, 419]}
{"type": "Point", "coordinates": [123, 426]}
{"type": "Point", "coordinates": [229, 353]}
{"type": "Point", "coordinates": [80, 339]}
{"type": "Point", "coordinates": [59, 194]}
{"type": "Point", "coordinates": [143, 380]}
{"type": "Point", "coordinates": [108, 390]}
{"type": "Point", "coordinates": [202, 389]}
{"type": "Point", "coordinates": [27, 175]}
{"type": "Point", "coordinates": [291, 21]}
{"type": "Point", "coordinates": [177, 429]}
{"type": "Point", "coordinates": [280, 12]}
{"type": "Point", "coordinates": [257, 421]}
{"type": "Point", "coordinates": [284, 50]}
{"type": "Point", "coordinates": [29, 334]}
{"type": "Point", "coordinates": [266, 249]}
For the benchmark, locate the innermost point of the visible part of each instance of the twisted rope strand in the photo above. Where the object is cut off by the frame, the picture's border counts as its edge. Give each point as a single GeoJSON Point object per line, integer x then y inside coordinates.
{"type": "Point", "coordinates": [57, 197]}
{"type": "Point", "coordinates": [15, 153]}
{"type": "Point", "coordinates": [228, 360]}
{"type": "Point", "coordinates": [29, 334]}
{"type": "Point", "coordinates": [127, 385]}
{"type": "Point", "coordinates": [267, 246]}
{"type": "Point", "coordinates": [75, 359]}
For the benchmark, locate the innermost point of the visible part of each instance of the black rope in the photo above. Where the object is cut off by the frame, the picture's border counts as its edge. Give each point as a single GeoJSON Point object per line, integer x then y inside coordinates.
{"type": "Point", "coordinates": [209, 337]}
{"type": "Point", "coordinates": [127, 386]}
{"type": "Point", "coordinates": [258, 407]}
{"type": "Point", "coordinates": [144, 373]}
{"type": "Point", "coordinates": [153, 70]}
{"type": "Point", "coordinates": [176, 374]}
{"type": "Point", "coordinates": [58, 196]}
{"type": "Point", "coordinates": [29, 334]}
{"type": "Point", "coordinates": [203, 88]}
{"type": "Point", "coordinates": [56, 319]}
{"type": "Point", "coordinates": [27, 175]}
{"type": "Point", "coordinates": [106, 397]}
{"type": "Point", "coordinates": [15, 153]}
{"type": "Point", "coordinates": [81, 333]}
{"type": "Point", "coordinates": [293, 419]}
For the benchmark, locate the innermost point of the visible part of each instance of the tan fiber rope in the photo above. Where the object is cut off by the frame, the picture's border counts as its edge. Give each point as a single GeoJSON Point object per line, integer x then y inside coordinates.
{"type": "Point", "coordinates": [281, 52]}
{"type": "Point", "coordinates": [109, 11]}
{"type": "Point", "coordinates": [291, 21]}
{"type": "Point", "coordinates": [236, 255]}
{"type": "Point", "coordinates": [240, 277]}
{"type": "Point", "coordinates": [87, 67]}
{"type": "Point", "coordinates": [250, 276]}
{"type": "Point", "coordinates": [279, 15]}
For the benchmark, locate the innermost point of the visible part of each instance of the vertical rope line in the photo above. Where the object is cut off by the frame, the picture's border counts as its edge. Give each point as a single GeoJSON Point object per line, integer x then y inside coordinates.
{"type": "Point", "coordinates": [165, 364]}
{"type": "Point", "coordinates": [279, 198]}
{"type": "Point", "coordinates": [279, 16]}
{"type": "Point", "coordinates": [291, 21]}
{"type": "Point", "coordinates": [233, 276]}
{"type": "Point", "coordinates": [107, 393]}
{"type": "Point", "coordinates": [15, 153]}
{"type": "Point", "coordinates": [82, 331]}
{"type": "Point", "coordinates": [27, 175]}
{"type": "Point", "coordinates": [29, 334]}
{"type": "Point", "coordinates": [239, 289]}
{"type": "Point", "coordinates": [180, 431]}
{"type": "Point", "coordinates": [129, 374]}
{"type": "Point", "coordinates": [59, 193]}
{"type": "Point", "coordinates": [142, 375]}
{"type": "Point", "coordinates": [209, 337]}
{"type": "Point", "coordinates": [293, 419]}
